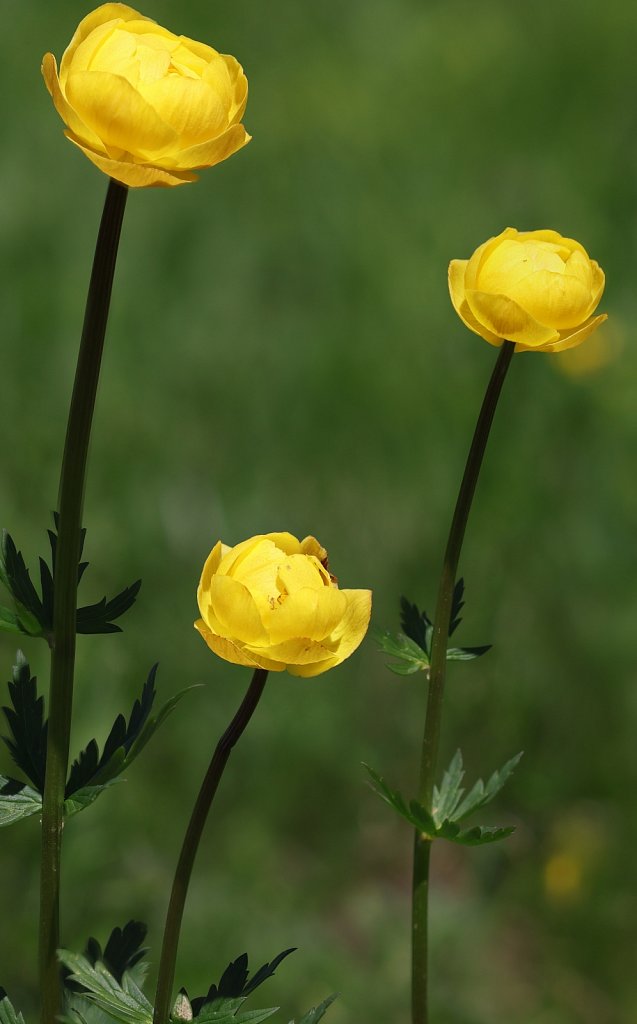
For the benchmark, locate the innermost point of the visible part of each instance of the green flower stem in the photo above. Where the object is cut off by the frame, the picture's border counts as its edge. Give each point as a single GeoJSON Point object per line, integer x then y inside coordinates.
{"type": "Point", "coordinates": [422, 845]}
{"type": "Point", "coordinates": [65, 589]}
{"type": "Point", "coordinates": [203, 803]}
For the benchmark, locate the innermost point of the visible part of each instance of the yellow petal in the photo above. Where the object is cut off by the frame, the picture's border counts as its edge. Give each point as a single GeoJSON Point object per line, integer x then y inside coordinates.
{"type": "Point", "coordinates": [569, 339]}
{"type": "Point", "coordinates": [236, 610]}
{"type": "Point", "coordinates": [255, 564]}
{"type": "Point", "coordinates": [597, 286]}
{"type": "Point", "coordinates": [286, 542]}
{"type": "Point", "coordinates": [118, 114]}
{"type": "Point", "coordinates": [207, 154]}
{"type": "Point", "coordinates": [87, 51]}
{"type": "Point", "coordinates": [482, 253]}
{"type": "Point", "coordinates": [132, 174]}
{"type": "Point", "coordinates": [350, 634]}
{"type": "Point", "coordinates": [235, 653]}
{"type": "Point", "coordinates": [236, 553]}
{"type": "Point", "coordinates": [311, 546]}
{"type": "Point", "coordinates": [507, 320]}
{"type": "Point", "coordinates": [101, 16]}
{"type": "Point", "coordinates": [513, 261]}
{"type": "Point", "coordinates": [239, 86]}
{"type": "Point", "coordinates": [353, 626]}
{"type": "Point", "coordinates": [202, 51]}
{"type": "Point", "coordinates": [554, 238]}
{"type": "Point", "coordinates": [189, 106]}
{"type": "Point", "coordinates": [64, 109]}
{"type": "Point", "coordinates": [210, 568]}
{"type": "Point", "coordinates": [309, 613]}
{"type": "Point", "coordinates": [578, 265]}
{"type": "Point", "coordinates": [296, 572]}
{"type": "Point", "coordinates": [298, 651]}
{"type": "Point", "coordinates": [557, 300]}
{"type": "Point", "coordinates": [153, 35]}
{"type": "Point", "coordinates": [456, 278]}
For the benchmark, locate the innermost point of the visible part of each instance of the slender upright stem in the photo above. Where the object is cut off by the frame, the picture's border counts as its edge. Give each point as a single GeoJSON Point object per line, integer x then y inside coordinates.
{"type": "Point", "coordinates": [422, 845]}
{"type": "Point", "coordinates": [65, 589]}
{"type": "Point", "coordinates": [191, 841]}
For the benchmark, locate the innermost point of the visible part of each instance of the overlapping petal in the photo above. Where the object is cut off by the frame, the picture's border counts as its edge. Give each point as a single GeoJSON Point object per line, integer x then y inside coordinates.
{"type": "Point", "coordinates": [535, 288]}
{"type": "Point", "coordinates": [147, 106]}
{"type": "Point", "coordinates": [271, 602]}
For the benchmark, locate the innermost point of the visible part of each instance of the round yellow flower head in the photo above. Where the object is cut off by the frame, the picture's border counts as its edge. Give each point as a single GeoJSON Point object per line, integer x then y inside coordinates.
{"type": "Point", "coordinates": [146, 106]}
{"type": "Point", "coordinates": [535, 288]}
{"type": "Point", "coordinates": [271, 603]}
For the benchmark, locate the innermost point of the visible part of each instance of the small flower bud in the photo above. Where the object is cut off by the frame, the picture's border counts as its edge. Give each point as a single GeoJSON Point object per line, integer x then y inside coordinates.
{"type": "Point", "coordinates": [182, 1010]}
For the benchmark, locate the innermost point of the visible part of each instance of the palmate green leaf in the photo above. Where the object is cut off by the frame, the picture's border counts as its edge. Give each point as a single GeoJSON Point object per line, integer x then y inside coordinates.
{"type": "Point", "coordinates": [236, 981]}
{"type": "Point", "coordinates": [33, 612]}
{"type": "Point", "coordinates": [98, 618]}
{"type": "Point", "coordinates": [9, 622]}
{"type": "Point", "coordinates": [92, 618]}
{"type": "Point", "coordinates": [409, 656]}
{"type": "Point", "coordinates": [226, 1011]}
{"type": "Point", "coordinates": [27, 726]}
{"type": "Point", "coordinates": [91, 773]}
{"type": "Point", "coordinates": [447, 798]}
{"type": "Point", "coordinates": [17, 580]}
{"type": "Point", "coordinates": [89, 769]}
{"type": "Point", "coordinates": [412, 812]}
{"type": "Point", "coordinates": [17, 801]}
{"type": "Point", "coordinates": [480, 795]}
{"type": "Point", "coordinates": [125, 1003]}
{"type": "Point", "coordinates": [443, 822]}
{"type": "Point", "coordinates": [467, 653]}
{"type": "Point", "coordinates": [411, 648]}
{"type": "Point", "coordinates": [416, 625]}
{"type": "Point", "coordinates": [457, 604]}
{"type": "Point", "coordinates": [314, 1015]}
{"type": "Point", "coordinates": [7, 1013]}
{"type": "Point", "coordinates": [153, 723]}
{"type": "Point", "coordinates": [123, 954]}
{"type": "Point", "coordinates": [83, 798]}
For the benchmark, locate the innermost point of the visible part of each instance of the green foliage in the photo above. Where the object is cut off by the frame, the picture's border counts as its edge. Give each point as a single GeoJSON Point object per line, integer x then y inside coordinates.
{"type": "Point", "coordinates": [91, 773]}
{"type": "Point", "coordinates": [314, 1015]}
{"type": "Point", "coordinates": [123, 951]}
{"type": "Point", "coordinates": [123, 1002]}
{"type": "Point", "coordinates": [118, 995]}
{"type": "Point", "coordinates": [479, 795]}
{"type": "Point", "coordinates": [449, 808]}
{"type": "Point", "coordinates": [33, 614]}
{"type": "Point", "coordinates": [89, 769]}
{"type": "Point", "coordinates": [107, 986]}
{"type": "Point", "coordinates": [27, 727]}
{"type": "Point", "coordinates": [235, 980]}
{"type": "Point", "coordinates": [17, 801]}
{"type": "Point", "coordinates": [7, 1013]}
{"type": "Point", "coordinates": [28, 611]}
{"type": "Point", "coordinates": [409, 656]}
{"type": "Point", "coordinates": [411, 648]}
{"type": "Point", "coordinates": [226, 1011]}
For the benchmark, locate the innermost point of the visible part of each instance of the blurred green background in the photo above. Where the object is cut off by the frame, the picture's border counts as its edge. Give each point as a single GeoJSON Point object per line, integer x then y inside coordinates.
{"type": "Point", "coordinates": [282, 354]}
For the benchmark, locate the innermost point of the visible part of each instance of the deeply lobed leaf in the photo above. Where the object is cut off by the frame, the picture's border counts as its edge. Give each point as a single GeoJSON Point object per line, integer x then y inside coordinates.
{"type": "Point", "coordinates": [27, 726]}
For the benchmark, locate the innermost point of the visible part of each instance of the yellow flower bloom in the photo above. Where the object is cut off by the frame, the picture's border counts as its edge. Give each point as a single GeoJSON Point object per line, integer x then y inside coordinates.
{"type": "Point", "coordinates": [535, 288]}
{"type": "Point", "coordinates": [271, 603]}
{"type": "Point", "coordinates": [146, 106]}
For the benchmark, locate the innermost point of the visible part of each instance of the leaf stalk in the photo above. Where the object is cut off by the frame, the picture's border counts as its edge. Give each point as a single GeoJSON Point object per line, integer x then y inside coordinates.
{"type": "Point", "coordinates": [191, 842]}
{"type": "Point", "coordinates": [72, 481]}
{"type": "Point", "coordinates": [431, 738]}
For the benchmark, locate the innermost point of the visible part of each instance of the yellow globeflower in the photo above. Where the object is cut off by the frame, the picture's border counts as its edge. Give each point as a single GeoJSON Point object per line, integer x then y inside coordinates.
{"type": "Point", "coordinates": [146, 106]}
{"type": "Point", "coordinates": [271, 603]}
{"type": "Point", "coordinates": [535, 288]}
